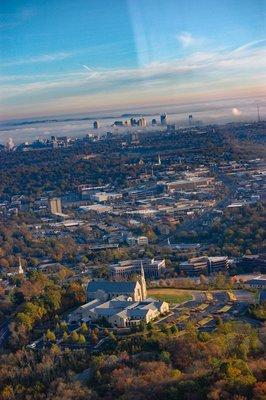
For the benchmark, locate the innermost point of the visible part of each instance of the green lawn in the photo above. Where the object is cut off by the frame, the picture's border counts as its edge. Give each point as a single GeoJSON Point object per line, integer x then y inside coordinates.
{"type": "Point", "coordinates": [169, 295]}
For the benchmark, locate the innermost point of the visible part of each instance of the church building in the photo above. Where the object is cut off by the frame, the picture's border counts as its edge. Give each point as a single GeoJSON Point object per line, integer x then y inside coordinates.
{"type": "Point", "coordinates": [107, 290]}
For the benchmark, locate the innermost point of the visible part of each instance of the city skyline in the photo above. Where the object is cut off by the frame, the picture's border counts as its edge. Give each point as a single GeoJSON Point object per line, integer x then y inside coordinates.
{"type": "Point", "coordinates": [58, 57]}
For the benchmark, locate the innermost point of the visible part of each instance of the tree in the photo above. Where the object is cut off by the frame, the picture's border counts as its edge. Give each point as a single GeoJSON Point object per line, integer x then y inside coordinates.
{"type": "Point", "coordinates": [81, 339]}
{"type": "Point", "coordinates": [65, 337]}
{"type": "Point", "coordinates": [203, 280]}
{"type": "Point", "coordinates": [7, 393]}
{"type": "Point", "coordinates": [25, 319]}
{"type": "Point", "coordinates": [94, 338]}
{"type": "Point", "coordinates": [63, 326]}
{"type": "Point", "coordinates": [75, 294]}
{"type": "Point", "coordinates": [259, 391]}
{"type": "Point", "coordinates": [164, 328]}
{"type": "Point", "coordinates": [84, 328]}
{"type": "Point", "coordinates": [173, 329]}
{"type": "Point", "coordinates": [96, 331]}
{"type": "Point", "coordinates": [165, 357]}
{"type": "Point", "coordinates": [149, 326]}
{"type": "Point", "coordinates": [142, 326]}
{"type": "Point", "coordinates": [53, 298]}
{"type": "Point", "coordinates": [50, 336]}
{"type": "Point", "coordinates": [60, 389]}
{"type": "Point", "coordinates": [18, 335]}
{"type": "Point", "coordinates": [74, 337]}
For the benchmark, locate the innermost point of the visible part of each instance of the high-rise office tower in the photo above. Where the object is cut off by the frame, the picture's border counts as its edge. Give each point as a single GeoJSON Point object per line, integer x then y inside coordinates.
{"type": "Point", "coordinates": [190, 120]}
{"type": "Point", "coordinates": [163, 119]}
{"type": "Point", "coordinates": [95, 125]}
{"type": "Point", "coordinates": [133, 121]}
{"type": "Point", "coordinates": [10, 144]}
{"type": "Point", "coordinates": [142, 122]}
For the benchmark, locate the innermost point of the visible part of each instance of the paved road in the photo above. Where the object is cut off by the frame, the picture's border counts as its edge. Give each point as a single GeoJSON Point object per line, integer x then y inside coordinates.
{"type": "Point", "coordinates": [4, 332]}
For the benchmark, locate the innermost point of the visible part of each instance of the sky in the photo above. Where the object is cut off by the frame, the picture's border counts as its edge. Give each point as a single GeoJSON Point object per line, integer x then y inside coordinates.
{"type": "Point", "coordinates": [64, 56]}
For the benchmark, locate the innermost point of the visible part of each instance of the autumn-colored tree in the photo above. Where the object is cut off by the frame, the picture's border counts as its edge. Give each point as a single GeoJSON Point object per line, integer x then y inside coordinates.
{"type": "Point", "coordinates": [81, 339]}
{"type": "Point", "coordinates": [74, 337]}
{"type": "Point", "coordinates": [259, 391]}
{"type": "Point", "coordinates": [7, 393]}
{"type": "Point", "coordinates": [94, 338]}
{"type": "Point", "coordinates": [84, 328]}
{"type": "Point", "coordinates": [50, 336]}
{"type": "Point", "coordinates": [63, 325]}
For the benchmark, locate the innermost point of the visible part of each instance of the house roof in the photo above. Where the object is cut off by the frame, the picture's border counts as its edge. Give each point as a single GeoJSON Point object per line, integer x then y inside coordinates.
{"type": "Point", "coordinates": [91, 304]}
{"type": "Point", "coordinates": [261, 282]}
{"type": "Point", "coordinates": [138, 312]}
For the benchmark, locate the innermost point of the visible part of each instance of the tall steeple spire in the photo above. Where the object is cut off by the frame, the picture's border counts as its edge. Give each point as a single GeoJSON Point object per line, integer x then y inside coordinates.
{"type": "Point", "coordinates": [143, 282]}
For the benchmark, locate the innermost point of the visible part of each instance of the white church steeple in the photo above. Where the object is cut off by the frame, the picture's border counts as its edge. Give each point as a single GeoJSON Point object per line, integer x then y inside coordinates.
{"type": "Point", "coordinates": [143, 283]}
{"type": "Point", "coordinates": [20, 269]}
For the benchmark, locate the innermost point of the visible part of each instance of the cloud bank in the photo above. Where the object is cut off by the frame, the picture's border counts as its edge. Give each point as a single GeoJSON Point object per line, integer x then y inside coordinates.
{"type": "Point", "coordinates": [223, 72]}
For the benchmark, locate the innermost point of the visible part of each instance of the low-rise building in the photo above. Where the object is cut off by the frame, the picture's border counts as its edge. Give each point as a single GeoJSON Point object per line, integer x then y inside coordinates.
{"type": "Point", "coordinates": [257, 283]}
{"type": "Point", "coordinates": [254, 262]}
{"type": "Point", "coordinates": [122, 304]}
{"type": "Point", "coordinates": [139, 240]}
{"type": "Point", "coordinates": [194, 266]}
{"type": "Point", "coordinates": [142, 240]}
{"type": "Point", "coordinates": [123, 269]}
{"type": "Point", "coordinates": [188, 184]}
{"type": "Point", "coordinates": [105, 290]}
{"type": "Point", "coordinates": [186, 249]}
{"type": "Point", "coordinates": [102, 197]}
{"type": "Point", "coordinates": [216, 264]}
{"type": "Point", "coordinates": [120, 312]}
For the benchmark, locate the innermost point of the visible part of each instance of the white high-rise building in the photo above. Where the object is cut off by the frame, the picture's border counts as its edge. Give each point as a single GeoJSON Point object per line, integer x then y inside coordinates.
{"type": "Point", "coordinates": [10, 144]}
{"type": "Point", "coordinates": [142, 122]}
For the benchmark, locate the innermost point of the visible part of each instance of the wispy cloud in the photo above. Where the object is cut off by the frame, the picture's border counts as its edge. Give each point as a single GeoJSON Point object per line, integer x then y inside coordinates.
{"type": "Point", "coordinates": [92, 73]}
{"type": "Point", "coordinates": [250, 45]}
{"type": "Point", "coordinates": [186, 39]}
{"type": "Point", "coordinates": [44, 58]}
{"type": "Point", "coordinates": [219, 71]}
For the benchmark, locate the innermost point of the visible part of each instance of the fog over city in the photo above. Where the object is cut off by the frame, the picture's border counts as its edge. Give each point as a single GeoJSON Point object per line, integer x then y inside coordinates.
{"type": "Point", "coordinates": [76, 125]}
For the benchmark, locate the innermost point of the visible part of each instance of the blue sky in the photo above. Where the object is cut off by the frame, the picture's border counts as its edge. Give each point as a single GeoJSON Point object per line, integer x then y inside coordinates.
{"type": "Point", "coordinates": [62, 56]}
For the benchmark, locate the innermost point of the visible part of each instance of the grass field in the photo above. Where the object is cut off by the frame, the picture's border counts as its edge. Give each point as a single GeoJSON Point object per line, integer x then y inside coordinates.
{"type": "Point", "coordinates": [169, 295]}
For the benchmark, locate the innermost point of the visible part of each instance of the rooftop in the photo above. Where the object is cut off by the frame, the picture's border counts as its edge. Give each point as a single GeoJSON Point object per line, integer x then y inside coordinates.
{"type": "Point", "coordinates": [112, 287]}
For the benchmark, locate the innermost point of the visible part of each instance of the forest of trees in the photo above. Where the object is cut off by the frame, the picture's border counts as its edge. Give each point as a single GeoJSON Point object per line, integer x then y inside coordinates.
{"type": "Point", "coordinates": [16, 240]}
{"type": "Point", "coordinates": [152, 365]}
{"type": "Point", "coordinates": [236, 233]}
